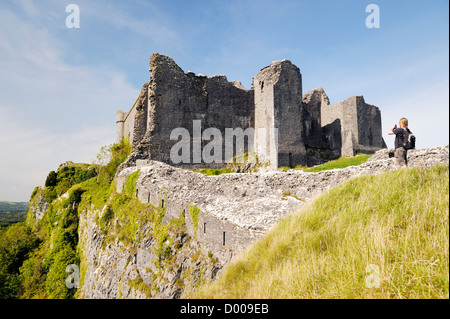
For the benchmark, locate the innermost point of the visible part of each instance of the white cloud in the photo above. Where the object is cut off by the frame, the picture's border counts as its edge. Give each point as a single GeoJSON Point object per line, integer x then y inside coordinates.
{"type": "Point", "coordinates": [152, 27]}
{"type": "Point", "coordinates": [51, 111]}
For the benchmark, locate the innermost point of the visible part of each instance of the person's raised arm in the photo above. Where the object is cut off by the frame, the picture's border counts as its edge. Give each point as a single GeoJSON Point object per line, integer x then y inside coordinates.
{"type": "Point", "coordinates": [391, 131]}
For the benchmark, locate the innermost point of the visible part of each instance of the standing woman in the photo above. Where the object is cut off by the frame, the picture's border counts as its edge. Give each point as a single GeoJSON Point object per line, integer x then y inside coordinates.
{"type": "Point", "coordinates": [401, 136]}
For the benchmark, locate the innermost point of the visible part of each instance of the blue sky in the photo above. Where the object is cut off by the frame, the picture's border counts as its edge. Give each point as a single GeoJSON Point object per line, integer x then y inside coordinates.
{"type": "Point", "coordinates": [60, 87]}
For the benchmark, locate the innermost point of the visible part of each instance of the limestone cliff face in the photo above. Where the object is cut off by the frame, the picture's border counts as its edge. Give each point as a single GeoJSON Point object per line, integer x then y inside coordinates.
{"type": "Point", "coordinates": [38, 206]}
{"type": "Point", "coordinates": [207, 220]}
{"type": "Point", "coordinates": [120, 269]}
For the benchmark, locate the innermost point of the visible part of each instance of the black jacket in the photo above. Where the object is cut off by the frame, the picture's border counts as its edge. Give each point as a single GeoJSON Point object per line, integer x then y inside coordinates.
{"type": "Point", "coordinates": [399, 136]}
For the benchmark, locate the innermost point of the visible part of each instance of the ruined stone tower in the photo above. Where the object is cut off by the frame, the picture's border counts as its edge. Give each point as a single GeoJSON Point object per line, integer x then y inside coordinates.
{"type": "Point", "coordinates": [196, 114]}
{"type": "Point", "coordinates": [278, 114]}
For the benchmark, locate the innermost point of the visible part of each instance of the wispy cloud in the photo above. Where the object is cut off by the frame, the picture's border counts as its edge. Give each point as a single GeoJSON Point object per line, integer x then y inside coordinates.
{"type": "Point", "coordinates": [29, 7]}
{"type": "Point", "coordinates": [152, 25]}
{"type": "Point", "coordinates": [51, 111]}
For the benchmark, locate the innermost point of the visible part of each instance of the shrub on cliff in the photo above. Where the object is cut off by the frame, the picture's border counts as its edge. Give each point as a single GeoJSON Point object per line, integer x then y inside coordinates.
{"type": "Point", "coordinates": [59, 182]}
{"type": "Point", "coordinates": [109, 158]}
{"type": "Point", "coordinates": [51, 179]}
{"type": "Point", "coordinates": [74, 174]}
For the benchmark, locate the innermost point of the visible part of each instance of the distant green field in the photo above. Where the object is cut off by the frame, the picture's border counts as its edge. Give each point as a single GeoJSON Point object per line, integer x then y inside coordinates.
{"type": "Point", "coordinates": [11, 213]}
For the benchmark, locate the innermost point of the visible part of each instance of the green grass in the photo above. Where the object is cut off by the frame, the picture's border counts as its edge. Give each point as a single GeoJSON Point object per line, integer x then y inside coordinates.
{"type": "Point", "coordinates": [194, 211]}
{"type": "Point", "coordinates": [213, 171]}
{"type": "Point", "coordinates": [342, 162]}
{"type": "Point", "coordinates": [393, 226]}
{"type": "Point", "coordinates": [40, 271]}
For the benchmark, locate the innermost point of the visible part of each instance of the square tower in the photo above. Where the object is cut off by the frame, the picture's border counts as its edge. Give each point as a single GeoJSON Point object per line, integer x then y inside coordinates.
{"type": "Point", "coordinates": [278, 115]}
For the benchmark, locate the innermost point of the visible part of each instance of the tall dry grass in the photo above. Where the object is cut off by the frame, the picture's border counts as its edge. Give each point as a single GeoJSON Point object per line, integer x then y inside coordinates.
{"type": "Point", "coordinates": [384, 236]}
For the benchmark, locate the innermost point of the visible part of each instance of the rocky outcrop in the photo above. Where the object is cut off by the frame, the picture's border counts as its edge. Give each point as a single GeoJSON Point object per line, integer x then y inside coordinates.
{"type": "Point", "coordinates": [426, 157]}
{"type": "Point", "coordinates": [38, 204]}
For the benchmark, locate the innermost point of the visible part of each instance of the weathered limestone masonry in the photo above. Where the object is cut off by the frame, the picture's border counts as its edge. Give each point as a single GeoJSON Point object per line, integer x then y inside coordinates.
{"type": "Point", "coordinates": [313, 134]}
{"type": "Point", "coordinates": [176, 99]}
{"type": "Point", "coordinates": [133, 124]}
{"type": "Point", "coordinates": [347, 127]}
{"type": "Point", "coordinates": [236, 209]}
{"type": "Point", "coordinates": [278, 104]}
{"type": "Point", "coordinates": [293, 127]}
{"type": "Point", "coordinates": [360, 125]}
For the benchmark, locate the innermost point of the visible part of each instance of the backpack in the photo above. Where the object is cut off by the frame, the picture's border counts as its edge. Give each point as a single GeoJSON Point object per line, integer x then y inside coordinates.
{"type": "Point", "coordinates": [409, 140]}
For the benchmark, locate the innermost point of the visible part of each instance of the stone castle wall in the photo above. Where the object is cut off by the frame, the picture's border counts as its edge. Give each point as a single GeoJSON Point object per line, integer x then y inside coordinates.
{"type": "Point", "coordinates": [313, 134]}
{"type": "Point", "coordinates": [359, 124]}
{"type": "Point", "coordinates": [134, 119]}
{"type": "Point", "coordinates": [177, 99]}
{"type": "Point", "coordinates": [289, 129]}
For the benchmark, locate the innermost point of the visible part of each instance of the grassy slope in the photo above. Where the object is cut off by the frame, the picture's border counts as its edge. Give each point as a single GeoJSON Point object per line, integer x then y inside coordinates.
{"type": "Point", "coordinates": [395, 224]}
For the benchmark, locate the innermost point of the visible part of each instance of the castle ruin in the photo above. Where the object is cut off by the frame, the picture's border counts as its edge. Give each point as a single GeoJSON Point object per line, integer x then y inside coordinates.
{"type": "Point", "coordinates": [287, 127]}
